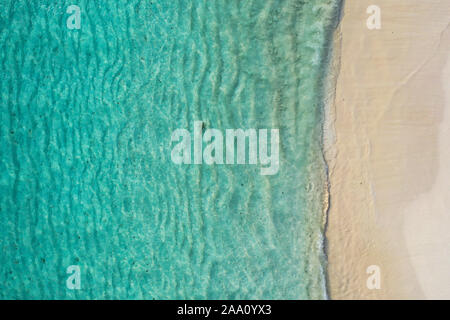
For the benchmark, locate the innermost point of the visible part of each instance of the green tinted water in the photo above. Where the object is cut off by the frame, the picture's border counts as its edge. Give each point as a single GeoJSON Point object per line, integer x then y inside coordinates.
{"type": "Point", "coordinates": [86, 176]}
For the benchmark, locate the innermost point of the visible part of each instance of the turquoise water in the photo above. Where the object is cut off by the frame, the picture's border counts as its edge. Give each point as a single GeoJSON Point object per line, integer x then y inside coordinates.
{"type": "Point", "coordinates": [86, 176]}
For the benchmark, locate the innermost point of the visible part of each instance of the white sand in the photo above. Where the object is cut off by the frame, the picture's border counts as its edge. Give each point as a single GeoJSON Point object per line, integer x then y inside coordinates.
{"type": "Point", "coordinates": [389, 177]}
{"type": "Point", "coordinates": [427, 228]}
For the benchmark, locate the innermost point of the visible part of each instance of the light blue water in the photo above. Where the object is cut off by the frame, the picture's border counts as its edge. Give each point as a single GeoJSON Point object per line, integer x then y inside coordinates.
{"type": "Point", "coordinates": [85, 171]}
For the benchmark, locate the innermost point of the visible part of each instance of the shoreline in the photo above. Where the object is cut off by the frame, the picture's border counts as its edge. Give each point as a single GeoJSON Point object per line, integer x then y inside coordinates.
{"type": "Point", "coordinates": [383, 143]}
{"type": "Point", "coordinates": [328, 137]}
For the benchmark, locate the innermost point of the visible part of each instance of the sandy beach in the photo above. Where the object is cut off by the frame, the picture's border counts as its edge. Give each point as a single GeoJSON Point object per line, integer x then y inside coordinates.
{"type": "Point", "coordinates": [388, 150]}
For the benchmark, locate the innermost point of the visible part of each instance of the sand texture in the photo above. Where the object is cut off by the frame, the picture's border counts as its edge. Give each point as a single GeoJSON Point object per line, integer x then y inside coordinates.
{"type": "Point", "coordinates": [389, 177]}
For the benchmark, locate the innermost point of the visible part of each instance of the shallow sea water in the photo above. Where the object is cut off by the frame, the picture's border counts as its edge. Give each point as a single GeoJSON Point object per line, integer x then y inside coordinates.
{"type": "Point", "coordinates": [86, 176]}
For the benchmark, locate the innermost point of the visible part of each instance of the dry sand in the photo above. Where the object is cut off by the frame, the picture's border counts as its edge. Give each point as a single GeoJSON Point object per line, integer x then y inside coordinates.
{"type": "Point", "coordinates": [389, 152]}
